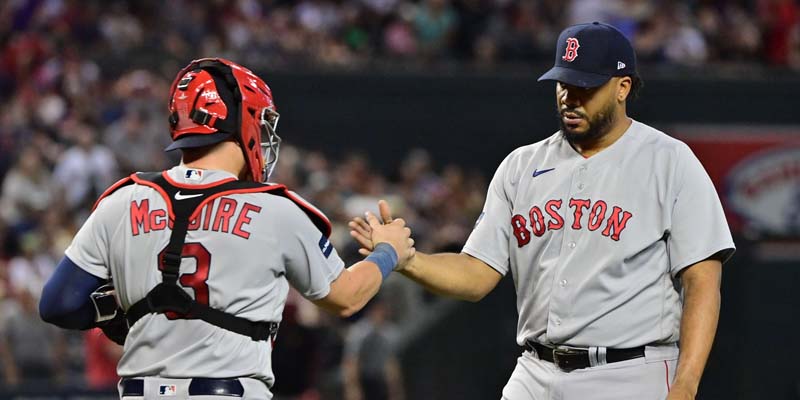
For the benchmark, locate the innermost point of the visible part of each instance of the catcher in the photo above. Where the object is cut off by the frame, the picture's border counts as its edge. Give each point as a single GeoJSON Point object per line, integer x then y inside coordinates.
{"type": "Point", "coordinates": [189, 268]}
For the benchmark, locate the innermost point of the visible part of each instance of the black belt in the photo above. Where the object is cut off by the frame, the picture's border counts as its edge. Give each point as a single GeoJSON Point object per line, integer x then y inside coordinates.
{"type": "Point", "coordinates": [571, 359]}
{"type": "Point", "coordinates": [197, 387]}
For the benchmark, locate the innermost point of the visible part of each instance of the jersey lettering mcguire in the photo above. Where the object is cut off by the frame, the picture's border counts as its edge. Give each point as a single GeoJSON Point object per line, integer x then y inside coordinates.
{"type": "Point", "coordinates": [222, 215]}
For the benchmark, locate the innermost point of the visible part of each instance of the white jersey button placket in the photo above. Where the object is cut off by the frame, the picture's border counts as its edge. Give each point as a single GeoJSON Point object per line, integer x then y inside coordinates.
{"type": "Point", "coordinates": [581, 175]}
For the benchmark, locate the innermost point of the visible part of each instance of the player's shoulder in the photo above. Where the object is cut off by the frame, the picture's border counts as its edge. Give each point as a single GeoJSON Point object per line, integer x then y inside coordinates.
{"type": "Point", "coordinates": [653, 141]}
{"type": "Point", "coordinates": [528, 151]}
{"type": "Point", "coordinates": [289, 205]}
{"type": "Point", "coordinates": [656, 138]}
{"type": "Point", "coordinates": [281, 196]}
{"type": "Point", "coordinates": [114, 194]}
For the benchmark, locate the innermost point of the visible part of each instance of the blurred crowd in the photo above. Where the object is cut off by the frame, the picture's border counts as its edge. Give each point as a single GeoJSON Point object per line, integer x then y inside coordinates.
{"type": "Point", "coordinates": [82, 83]}
{"type": "Point", "coordinates": [42, 38]}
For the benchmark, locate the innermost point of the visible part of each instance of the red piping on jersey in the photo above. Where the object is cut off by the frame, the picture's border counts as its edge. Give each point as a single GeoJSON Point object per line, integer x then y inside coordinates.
{"type": "Point", "coordinates": [111, 189]}
{"type": "Point", "coordinates": [282, 188]}
{"type": "Point", "coordinates": [159, 190]}
{"type": "Point", "coordinates": [667, 368]}
{"type": "Point", "coordinates": [186, 186]}
{"type": "Point", "coordinates": [233, 191]}
{"type": "Point", "coordinates": [325, 219]}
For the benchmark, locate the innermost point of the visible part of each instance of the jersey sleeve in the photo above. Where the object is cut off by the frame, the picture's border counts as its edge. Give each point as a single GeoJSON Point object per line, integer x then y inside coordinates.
{"type": "Point", "coordinates": [89, 249]}
{"type": "Point", "coordinates": [488, 241]}
{"type": "Point", "coordinates": [310, 259]}
{"type": "Point", "coordinates": [698, 225]}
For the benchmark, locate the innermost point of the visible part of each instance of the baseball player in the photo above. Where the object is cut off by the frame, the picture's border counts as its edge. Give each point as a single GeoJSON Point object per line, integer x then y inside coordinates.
{"type": "Point", "coordinates": [614, 236]}
{"type": "Point", "coordinates": [201, 255]}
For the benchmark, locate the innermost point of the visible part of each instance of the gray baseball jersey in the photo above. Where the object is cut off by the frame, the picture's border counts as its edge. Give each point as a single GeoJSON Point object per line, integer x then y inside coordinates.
{"type": "Point", "coordinates": [594, 244]}
{"type": "Point", "coordinates": [246, 249]}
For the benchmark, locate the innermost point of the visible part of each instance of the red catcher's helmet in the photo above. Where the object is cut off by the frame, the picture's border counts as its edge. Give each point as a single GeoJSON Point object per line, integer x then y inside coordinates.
{"type": "Point", "coordinates": [214, 99]}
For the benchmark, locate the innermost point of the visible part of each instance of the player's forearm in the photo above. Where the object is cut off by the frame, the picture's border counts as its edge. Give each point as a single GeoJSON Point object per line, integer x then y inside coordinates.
{"type": "Point", "coordinates": [699, 322]}
{"type": "Point", "coordinates": [453, 275]}
{"type": "Point", "coordinates": [354, 287]}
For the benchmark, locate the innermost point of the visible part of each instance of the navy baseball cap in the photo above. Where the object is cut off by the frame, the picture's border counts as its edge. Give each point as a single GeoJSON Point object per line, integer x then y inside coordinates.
{"type": "Point", "coordinates": [588, 55]}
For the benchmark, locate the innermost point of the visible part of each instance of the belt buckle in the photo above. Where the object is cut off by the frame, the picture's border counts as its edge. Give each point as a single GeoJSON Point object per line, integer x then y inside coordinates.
{"type": "Point", "coordinates": [559, 358]}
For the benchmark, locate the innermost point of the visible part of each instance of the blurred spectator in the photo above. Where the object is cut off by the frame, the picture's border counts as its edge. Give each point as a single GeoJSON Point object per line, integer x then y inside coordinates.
{"type": "Point", "coordinates": [30, 269]}
{"type": "Point", "coordinates": [26, 191]}
{"type": "Point", "coordinates": [32, 351]}
{"type": "Point", "coordinates": [137, 130]}
{"type": "Point", "coordinates": [779, 18]}
{"type": "Point", "coordinates": [685, 44]}
{"type": "Point", "coordinates": [794, 47]}
{"type": "Point", "coordinates": [399, 39]}
{"type": "Point", "coordinates": [57, 232]}
{"type": "Point", "coordinates": [370, 366]}
{"type": "Point", "coordinates": [5, 293]}
{"type": "Point", "coordinates": [435, 24]}
{"type": "Point", "coordinates": [317, 16]}
{"type": "Point", "coordinates": [85, 170]}
{"type": "Point", "coordinates": [121, 28]}
{"type": "Point", "coordinates": [652, 34]}
{"type": "Point", "coordinates": [296, 355]}
{"type": "Point", "coordinates": [8, 306]}
{"type": "Point", "coordinates": [101, 356]}
{"type": "Point", "coordinates": [731, 34]}
{"type": "Point", "coordinates": [581, 11]}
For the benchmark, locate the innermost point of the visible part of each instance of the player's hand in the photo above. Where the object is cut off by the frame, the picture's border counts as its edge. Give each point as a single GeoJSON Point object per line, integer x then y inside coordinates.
{"type": "Point", "coordinates": [395, 233]}
{"type": "Point", "coordinates": [361, 231]}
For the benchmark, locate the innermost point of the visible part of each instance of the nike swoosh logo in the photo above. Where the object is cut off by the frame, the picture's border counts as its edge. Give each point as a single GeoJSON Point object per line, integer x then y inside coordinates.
{"type": "Point", "coordinates": [179, 196]}
{"type": "Point", "coordinates": [537, 172]}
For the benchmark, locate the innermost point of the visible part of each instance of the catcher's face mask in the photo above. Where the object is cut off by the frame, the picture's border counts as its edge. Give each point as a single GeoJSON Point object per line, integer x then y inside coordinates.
{"type": "Point", "coordinates": [270, 141]}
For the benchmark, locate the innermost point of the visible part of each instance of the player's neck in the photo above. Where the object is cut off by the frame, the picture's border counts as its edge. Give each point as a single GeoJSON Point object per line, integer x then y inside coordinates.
{"type": "Point", "coordinates": [615, 131]}
{"type": "Point", "coordinates": [226, 156]}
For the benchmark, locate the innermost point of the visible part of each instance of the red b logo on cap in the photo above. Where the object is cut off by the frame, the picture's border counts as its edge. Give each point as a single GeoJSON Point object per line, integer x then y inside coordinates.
{"type": "Point", "coordinates": [572, 50]}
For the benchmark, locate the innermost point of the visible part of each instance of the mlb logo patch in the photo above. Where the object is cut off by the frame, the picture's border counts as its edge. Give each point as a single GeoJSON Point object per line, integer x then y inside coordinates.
{"type": "Point", "coordinates": [325, 246]}
{"type": "Point", "coordinates": [194, 174]}
{"type": "Point", "coordinates": [167, 390]}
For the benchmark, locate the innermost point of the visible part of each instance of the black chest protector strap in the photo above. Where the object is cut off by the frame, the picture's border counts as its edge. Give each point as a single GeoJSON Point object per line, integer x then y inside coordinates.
{"type": "Point", "coordinates": [167, 296]}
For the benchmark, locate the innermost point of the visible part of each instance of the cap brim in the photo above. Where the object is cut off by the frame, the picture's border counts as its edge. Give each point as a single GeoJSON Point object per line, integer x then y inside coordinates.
{"type": "Point", "coordinates": [574, 77]}
{"type": "Point", "coordinates": [201, 140]}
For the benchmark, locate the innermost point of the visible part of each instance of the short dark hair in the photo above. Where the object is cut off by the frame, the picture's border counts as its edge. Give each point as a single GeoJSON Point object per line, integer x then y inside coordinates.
{"type": "Point", "coordinates": [636, 86]}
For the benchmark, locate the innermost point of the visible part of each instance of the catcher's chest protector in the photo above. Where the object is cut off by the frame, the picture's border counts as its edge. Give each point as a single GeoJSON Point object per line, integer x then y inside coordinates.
{"type": "Point", "coordinates": [167, 296]}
